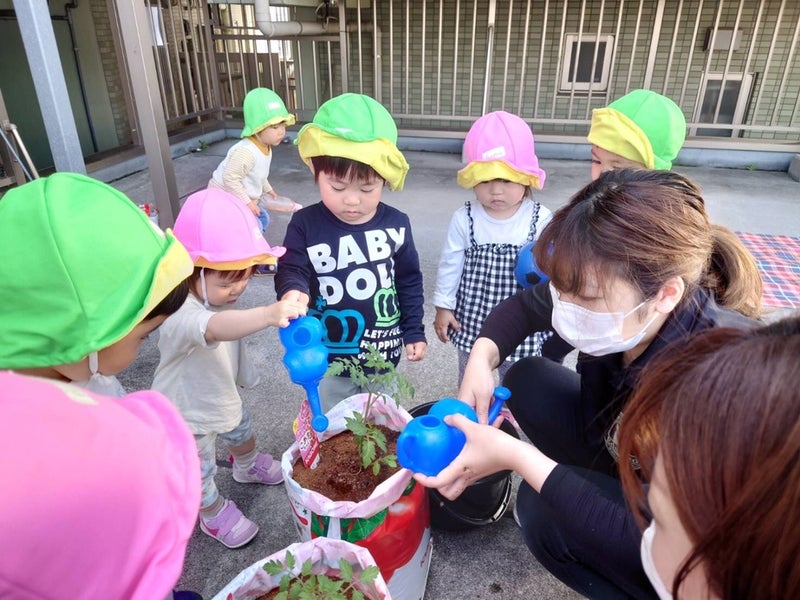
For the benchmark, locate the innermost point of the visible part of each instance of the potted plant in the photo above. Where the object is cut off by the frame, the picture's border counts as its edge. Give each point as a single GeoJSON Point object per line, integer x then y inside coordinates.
{"type": "Point", "coordinates": [357, 492]}
{"type": "Point", "coordinates": [322, 568]}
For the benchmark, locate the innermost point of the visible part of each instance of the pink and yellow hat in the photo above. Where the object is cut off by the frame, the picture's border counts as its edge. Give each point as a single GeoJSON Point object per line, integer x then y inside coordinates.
{"type": "Point", "coordinates": [221, 233]}
{"type": "Point", "coordinates": [500, 145]}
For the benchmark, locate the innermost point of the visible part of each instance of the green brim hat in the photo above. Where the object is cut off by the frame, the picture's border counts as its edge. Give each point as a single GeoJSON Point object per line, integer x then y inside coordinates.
{"type": "Point", "coordinates": [81, 266]}
{"type": "Point", "coordinates": [357, 127]}
{"type": "Point", "coordinates": [262, 108]}
{"type": "Point", "coordinates": [642, 126]}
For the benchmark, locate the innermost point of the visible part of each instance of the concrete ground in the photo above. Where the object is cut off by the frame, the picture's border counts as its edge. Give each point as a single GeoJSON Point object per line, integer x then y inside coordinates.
{"type": "Point", "coordinates": [489, 562]}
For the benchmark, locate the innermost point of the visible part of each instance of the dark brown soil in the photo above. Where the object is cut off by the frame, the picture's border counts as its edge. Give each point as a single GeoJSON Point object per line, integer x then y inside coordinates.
{"type": "Point", "coordinates": [338, 475]}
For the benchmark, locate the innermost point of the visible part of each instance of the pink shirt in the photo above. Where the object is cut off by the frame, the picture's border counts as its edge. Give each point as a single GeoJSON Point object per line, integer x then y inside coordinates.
{"type": "Point", "coordinates": [100, 495]}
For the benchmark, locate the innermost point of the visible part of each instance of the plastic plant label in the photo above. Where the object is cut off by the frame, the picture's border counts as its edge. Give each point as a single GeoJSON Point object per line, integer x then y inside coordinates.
{"type": "Point", "coordinates": [307, 440]}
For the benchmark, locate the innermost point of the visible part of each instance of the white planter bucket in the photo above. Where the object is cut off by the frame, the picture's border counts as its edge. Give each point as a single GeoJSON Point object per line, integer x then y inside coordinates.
{"type": "Point", "coordinates": [324, 553]}
{"type": "Point", "coordinates": [393, 523]}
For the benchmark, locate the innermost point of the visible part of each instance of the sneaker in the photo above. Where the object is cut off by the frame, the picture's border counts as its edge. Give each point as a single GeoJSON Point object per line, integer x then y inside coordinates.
{"type": "Point", "coordinates": [230, 526]}
{"type": "Point", "coordinates": [265, 470]}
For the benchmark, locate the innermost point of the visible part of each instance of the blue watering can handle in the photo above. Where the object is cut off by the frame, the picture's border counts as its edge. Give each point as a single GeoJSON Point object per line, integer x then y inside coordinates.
{"type": "Point", "coordinates": [501, 394]}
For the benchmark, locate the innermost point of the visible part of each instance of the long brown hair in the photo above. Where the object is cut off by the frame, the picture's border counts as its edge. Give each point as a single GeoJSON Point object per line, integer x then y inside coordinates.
{"type": "Point", "coordinates": [723, 413]}
{"type": "Point", "coordinates": [645, 227]}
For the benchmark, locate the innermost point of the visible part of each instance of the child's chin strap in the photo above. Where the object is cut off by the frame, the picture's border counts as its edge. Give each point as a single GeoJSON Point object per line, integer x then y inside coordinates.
{"type": "Point", "coordinates": [203, 287]}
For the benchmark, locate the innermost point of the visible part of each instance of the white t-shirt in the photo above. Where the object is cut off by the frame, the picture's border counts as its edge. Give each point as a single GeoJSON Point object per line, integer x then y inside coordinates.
{"type": "Point", "coordinates": [201, 379]}
{"type": "Point", "coordinates": [487, 230]}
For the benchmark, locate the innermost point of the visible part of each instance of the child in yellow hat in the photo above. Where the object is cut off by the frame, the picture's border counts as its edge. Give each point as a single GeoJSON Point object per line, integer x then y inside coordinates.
{"type": "Point", "coordinates": [351, 258]}
{"type": "Point", "coordinates": [245, 169]}
{"type": "Point", "coordinates": [640, 130]}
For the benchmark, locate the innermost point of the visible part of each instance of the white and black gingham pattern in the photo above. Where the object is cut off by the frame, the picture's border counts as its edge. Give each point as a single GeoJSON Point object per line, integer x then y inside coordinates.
{"type": "Point", "coordinates": [486, 279]}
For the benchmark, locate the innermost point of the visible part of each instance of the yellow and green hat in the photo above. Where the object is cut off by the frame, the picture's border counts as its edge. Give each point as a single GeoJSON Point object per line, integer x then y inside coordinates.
{"type": "Point", "coordinates": [81, 266]}
{"type": "Point", "coordinates": [357, 127]}
{"type": "Point", "coordinates": [642, 126]}
{"type": "Point", "coordinates": [262, 108]}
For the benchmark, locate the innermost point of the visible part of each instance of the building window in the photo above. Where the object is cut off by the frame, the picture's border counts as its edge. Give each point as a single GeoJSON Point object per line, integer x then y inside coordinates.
{"type": "Point", "coordinates": [732, 108]}
{"type": "Point", "coordinates": [579, 69]}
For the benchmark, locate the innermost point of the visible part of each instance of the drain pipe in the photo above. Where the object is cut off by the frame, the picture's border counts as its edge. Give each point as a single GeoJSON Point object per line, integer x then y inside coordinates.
{"type": "Point", "coordinates": [487, 80]}
{"type": "Point", "coordinates": [283, 29]}
{"type": "Point", "coordinates": [68, 8]}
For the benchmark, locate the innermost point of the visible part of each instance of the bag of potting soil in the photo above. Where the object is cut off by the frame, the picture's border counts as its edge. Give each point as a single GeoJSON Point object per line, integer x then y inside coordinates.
{"type": "Point", "coordinates": [324, 553]}
{"type": "Point", "coordinates": [393, 523]}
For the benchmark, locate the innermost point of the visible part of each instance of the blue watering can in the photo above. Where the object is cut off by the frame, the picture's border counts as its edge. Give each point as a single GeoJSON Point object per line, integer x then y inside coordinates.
{"type": "Point", "coordinates": [306, 359]}
{"type": "Point", "coordinates": [428, 444]}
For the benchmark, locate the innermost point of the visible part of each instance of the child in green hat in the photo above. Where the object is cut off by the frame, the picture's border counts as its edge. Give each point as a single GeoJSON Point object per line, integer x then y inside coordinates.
{"type": "Point", "coordinates": [350, 257]}
{"type": "Point", "coordinates": [244, 171]}
{"type": "Point", "coordinates": [641, 130]}
{"type": "Point", "coordinates": [86, 277]}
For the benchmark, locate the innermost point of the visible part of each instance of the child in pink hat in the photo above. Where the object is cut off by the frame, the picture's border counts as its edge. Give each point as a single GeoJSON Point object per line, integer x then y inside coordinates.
{"type": "Point", "coordinates": [102, 506]}
{"type": "Point", "coordinates": [203, 360]}
{"type": "Point", "coordinates": [476, 270]}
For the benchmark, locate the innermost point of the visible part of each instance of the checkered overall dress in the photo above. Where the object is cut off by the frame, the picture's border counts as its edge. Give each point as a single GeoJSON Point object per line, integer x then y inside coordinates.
{"type": "Point", "coordinates": [486, 279]}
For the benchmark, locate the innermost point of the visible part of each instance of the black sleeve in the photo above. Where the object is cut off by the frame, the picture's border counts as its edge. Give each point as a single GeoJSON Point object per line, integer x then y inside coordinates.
{"type": "Point", "coordinates": [517, 317]}
{"type": "Point", "coordinates": [409, 287]}
{"type": "Point", "coordinates": [294, 268]}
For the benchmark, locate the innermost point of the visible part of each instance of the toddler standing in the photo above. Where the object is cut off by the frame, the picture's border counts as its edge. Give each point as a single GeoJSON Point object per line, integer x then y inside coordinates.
{"type": "Point", "coordinates": [244, 171]}
{"type": "Point", "coordinates": [203, 361]}
{"type": "Point", "coordinates": [351, 257]}
{"type": "Point", "coordinates": [476, 270]}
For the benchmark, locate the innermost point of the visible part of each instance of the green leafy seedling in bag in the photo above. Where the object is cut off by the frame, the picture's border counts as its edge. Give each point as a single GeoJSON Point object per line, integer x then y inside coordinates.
{"type": "Point", "coordinates": [310, 586]}
{"type": "Point", "coordinates": [382, 375]}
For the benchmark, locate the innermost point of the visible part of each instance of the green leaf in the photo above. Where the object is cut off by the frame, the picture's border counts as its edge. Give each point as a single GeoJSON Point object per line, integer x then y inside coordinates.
{"type": "Point", "coordinates": [305, 570]}
{"type": "Point", "coordinates": [346, 570]}
{"type": "Point", "coordinates": [369, 574]}
{"type": "Point", "coordinates": [274, 567]}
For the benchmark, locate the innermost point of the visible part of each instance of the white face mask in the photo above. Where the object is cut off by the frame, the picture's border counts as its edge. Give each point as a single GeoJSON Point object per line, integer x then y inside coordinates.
{"type": "Point", "coordinates": [649, 566]}
{"type": "Point", "coordinates": [592, 332]}
{"type": "Point", "coordinates": [106, 385]}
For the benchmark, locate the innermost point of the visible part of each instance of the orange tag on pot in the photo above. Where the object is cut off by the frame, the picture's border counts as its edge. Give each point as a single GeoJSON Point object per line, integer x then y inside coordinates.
{"type": "Point", "coordinates": [306, 437]}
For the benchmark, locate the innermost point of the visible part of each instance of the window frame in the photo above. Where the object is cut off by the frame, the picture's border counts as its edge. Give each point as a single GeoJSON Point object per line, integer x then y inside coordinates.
{"type": "Point", "coordinates": [570, 40]}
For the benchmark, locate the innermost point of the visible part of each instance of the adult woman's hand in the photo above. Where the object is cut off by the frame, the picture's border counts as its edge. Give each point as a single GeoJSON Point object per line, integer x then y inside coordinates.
{"type": "Point", "coordinates": [478, 382]}
{"type": "Point", "coordinates": [487, 450]}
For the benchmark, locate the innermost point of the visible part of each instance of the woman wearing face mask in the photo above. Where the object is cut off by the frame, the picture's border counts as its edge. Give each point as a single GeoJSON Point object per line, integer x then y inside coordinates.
{"type": "Point", "coordinates": [716, 429]}
{"type": "Point", "coordinates": [633, 264]}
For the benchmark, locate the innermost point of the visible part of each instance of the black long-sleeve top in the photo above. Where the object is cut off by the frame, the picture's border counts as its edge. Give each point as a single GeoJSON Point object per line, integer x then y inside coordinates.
{"type": "Point", "coordinates": [364, 281]}
{"type": "Point", "coordinates": [606, 386]}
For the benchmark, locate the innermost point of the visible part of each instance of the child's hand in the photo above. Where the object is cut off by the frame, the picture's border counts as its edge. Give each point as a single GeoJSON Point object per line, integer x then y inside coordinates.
{"type": "Point", "coordinates": [416, 351]}
{"type": "Point", "coordinates": [296, 296]}
{"type": "Point", "coordinates": [254, 207]}
{"type": "Point", "coordinates": [443, 321]}
{"type": "Point", "coordinates": [283, 311]}
{"type": "Point", "coordinates": [273, 193]}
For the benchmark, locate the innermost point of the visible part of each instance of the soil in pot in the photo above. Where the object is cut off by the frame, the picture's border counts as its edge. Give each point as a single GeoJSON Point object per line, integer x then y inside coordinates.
{"type": "Point", "coordinates": [339, 475]}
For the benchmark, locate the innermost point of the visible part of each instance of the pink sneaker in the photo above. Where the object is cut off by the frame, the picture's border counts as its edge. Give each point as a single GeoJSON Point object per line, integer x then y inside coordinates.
{"type": "Point", "coordinates": [230, 526]}
{"type": "Point", "coordinates": [265, 470]}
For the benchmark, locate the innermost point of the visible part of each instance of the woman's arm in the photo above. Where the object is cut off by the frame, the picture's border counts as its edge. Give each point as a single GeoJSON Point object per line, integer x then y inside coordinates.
{"type": "Point", "coordinates": [488, 450]}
